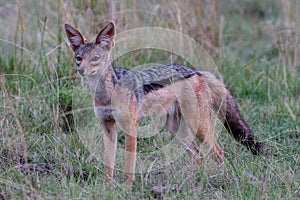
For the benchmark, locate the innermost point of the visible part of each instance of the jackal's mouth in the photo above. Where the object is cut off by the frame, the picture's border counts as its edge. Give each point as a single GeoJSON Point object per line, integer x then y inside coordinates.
{"type": "Point", "coordinates": [93, 72]}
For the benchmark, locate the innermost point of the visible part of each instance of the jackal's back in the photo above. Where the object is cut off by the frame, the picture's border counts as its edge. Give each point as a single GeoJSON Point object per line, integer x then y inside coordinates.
{"type": "Point", "coordinates": [149, 79]}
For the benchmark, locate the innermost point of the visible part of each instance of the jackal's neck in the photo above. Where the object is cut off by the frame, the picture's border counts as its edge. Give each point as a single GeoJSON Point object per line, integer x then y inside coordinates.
{"type": "Point", "coordinates": [102, 86]}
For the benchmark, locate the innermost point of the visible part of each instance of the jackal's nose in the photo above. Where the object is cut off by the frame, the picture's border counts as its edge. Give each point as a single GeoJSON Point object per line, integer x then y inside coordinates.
{"type": "Point", "coordinates": [81, 71]}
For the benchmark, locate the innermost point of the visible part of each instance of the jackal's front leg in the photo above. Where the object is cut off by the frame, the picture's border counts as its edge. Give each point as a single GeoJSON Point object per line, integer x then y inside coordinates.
{"type": "Point", "coordinates": [110, 147]}
{"type": "Point", "coordinates": [130, 157]}
{"type": "Point", "coordinates": [125, 113]}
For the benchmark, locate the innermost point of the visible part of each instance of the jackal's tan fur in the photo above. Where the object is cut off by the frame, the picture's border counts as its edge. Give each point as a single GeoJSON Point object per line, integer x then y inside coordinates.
{"type": "Point", "coordinates": [121, 97]}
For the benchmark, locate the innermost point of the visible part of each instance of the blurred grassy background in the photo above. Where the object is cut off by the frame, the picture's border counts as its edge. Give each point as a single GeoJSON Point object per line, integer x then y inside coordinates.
{"type": "Point", "coordinates": [255, 45]}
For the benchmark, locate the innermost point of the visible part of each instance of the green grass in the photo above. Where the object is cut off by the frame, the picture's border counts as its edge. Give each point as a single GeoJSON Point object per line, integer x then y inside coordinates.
{"type": "Point", "coordinates": [50, 143]}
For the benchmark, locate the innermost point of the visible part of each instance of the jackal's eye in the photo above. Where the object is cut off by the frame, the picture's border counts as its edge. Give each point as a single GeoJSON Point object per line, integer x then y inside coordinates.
{"type": "Point", "coordinates": [95, 58]}
{"type": "Point", "coordinates": [78, 58]}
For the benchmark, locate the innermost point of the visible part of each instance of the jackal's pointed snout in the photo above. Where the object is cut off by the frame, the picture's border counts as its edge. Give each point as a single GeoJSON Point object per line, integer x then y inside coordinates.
{"type": "Point", "coordinates": [81, 71]}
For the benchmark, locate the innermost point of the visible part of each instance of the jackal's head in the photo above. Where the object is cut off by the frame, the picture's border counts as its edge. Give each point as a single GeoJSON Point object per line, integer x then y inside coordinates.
{"type": "Point", "coordinates": [91, 57]}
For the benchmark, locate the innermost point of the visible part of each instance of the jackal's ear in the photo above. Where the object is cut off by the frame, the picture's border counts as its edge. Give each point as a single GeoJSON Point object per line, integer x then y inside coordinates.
{"type": "Point", "coordinates": [75, 37]}
{"type": "Point", "coordinates": [105, 37]}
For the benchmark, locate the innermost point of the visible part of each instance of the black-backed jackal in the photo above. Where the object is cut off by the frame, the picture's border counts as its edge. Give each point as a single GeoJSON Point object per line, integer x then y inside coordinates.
{"type": "Point", "coordinates": [122, 96]}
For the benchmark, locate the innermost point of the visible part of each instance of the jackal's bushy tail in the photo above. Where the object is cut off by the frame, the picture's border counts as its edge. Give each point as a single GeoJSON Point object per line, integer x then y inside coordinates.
{"type": "Point", "coordinates": [226, 107]}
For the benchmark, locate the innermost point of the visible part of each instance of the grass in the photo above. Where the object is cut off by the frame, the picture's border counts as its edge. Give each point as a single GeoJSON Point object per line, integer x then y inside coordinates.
{"type": "Point", "coordinates": [47, 118]}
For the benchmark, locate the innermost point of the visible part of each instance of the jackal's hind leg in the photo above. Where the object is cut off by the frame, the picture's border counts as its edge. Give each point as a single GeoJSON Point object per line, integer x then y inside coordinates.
{"type": "Point", "coordinates": [206, 136]}
{"type": "Point", "coordinates": [173, 123]}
